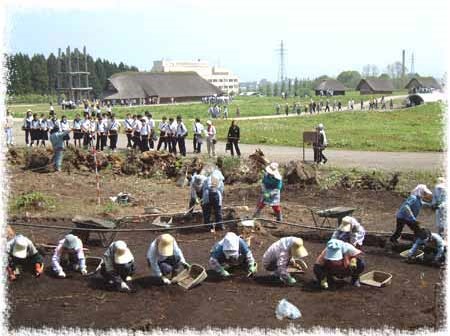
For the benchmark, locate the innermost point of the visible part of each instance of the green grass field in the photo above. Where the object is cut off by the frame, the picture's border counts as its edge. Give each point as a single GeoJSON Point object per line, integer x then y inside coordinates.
{"type": "Point", "coordinates": [414, 129]}
{"type": "Point", "coordinates": [249, 106]}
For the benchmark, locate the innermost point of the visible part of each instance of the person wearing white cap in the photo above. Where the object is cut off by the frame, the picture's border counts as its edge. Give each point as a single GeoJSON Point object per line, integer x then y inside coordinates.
{"type": "Point", "coordinates": [271, 191]}
{"type": "Point", "coordinates": [23, 254]}
{"type": "Point", "coordinates": [439, 204]}
{"type": "Point", "coordinates": [229, 253]}
{"type": "Point", "coordinates": [118, 266]}
{"type": "Point", "coordinates": [165, 258]}
{"type": "Point", "coordinates": [69, 252]}
{"type": "Point", "coordinates": [281, 254]}
{"type": "Point", "coordinates": [350, 231]}
{"type": "Point", "coordinates": [319, 145]}
{"type": "Point", "coordinates": [210, 138]}
{"type": "Point", "coordinates": [409, 210]}
{"type": "Point", "coordinates": [340, 259]}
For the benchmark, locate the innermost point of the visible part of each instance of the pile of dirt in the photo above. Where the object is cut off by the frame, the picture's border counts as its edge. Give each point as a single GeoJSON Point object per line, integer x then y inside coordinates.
{"type": "Point", "coordinates": [15, 156]}
{"type": "Point", "coordinates": [158, 162]}
{"type": "Point", "coordinates": [248, 171]}
{"type": "Point", "coordinates": [297, 172]}
{"type": "Point", "coordinates": [38, 158]}
{"type": "Point", "coordinates": [370, 182]}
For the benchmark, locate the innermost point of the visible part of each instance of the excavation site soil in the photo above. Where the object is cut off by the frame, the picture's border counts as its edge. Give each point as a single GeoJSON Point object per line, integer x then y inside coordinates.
{"type": "Point", "coordinates": [409, 302]}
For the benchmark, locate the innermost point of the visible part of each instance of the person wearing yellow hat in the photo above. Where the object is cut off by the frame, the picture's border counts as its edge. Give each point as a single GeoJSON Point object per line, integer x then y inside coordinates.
{"type": "Point", "coordinates": [350, 231]}
{"type": "Point", "coordinates": [69, 253]}
{"type": "Point", "coordinates": [271, 191]}
{"type": "Point", "coordinates": [22, 254]}
{"type": "Point", "coordinates": [283, 253]}
{"type": "Point", "coordinates": [341, 259]}
{"type": "Point", "coordinates": [118, 266]}
{"type": "Point", "coordinates": [165, 258]}
{"type": "Point", "coordinates": [230, 253]}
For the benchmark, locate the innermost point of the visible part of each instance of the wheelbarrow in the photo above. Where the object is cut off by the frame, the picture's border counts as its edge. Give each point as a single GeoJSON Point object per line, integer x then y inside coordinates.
{"type": "Point", "coordinates": [106, 238]}
{"type": "Point", "coordinates": [322, 216]}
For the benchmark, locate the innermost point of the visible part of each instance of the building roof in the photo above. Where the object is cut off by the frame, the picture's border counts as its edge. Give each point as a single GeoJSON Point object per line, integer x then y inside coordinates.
{"type": "Point", "coordinates": [330, 84]}
{"type": "Point", "coordinates": [377, 84]}
{"type": "Point", "coordinates": [130, 85]}
{"type": "Point", "coordinates": [427, 82]}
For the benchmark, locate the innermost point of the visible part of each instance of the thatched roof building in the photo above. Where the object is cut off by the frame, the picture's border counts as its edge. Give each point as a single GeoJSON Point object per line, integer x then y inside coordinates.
{"type": "Point", "coordinates": [330, 85]}
{"type": "Point", "coordinates": [417, 84]}
{"type": "Point", "coordinates": [375, 85]}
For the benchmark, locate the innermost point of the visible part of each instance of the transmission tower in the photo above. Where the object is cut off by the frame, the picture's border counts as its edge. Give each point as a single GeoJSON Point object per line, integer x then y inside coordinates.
{"type": "Point", "coordinates": [281, 52]}
{"type": "Point", "coordinates": [412, 63]}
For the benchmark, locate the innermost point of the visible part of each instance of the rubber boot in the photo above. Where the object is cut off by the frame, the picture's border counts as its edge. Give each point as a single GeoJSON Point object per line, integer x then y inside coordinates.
{"type": "Point", "coordinates": [279, 217]}
{"type": "Point", "coordinates": [39, 269]}
{"type": "Point", "coordinates": [257, 213]}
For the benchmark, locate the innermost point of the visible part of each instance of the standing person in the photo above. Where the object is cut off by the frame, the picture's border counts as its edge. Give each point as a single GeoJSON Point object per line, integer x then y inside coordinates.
{"type": "Point", "coordinates": [277, 108]}
{"type": "Point", "coordinates": [197, 139]}
{"type": "Point", "coordinates": [362, 105]}
{"type": "Point", "coordinates": [51, 110]}
{"type": "Point", "coordinates": [271, 185]}
{"type": "Point", "coordinates": [9, 124]}
{"type": "Point", "coordinates": [173, 135]}
{"type": "Point", "coordinates": [163, 129]}
{"type": "Point", "coordinates": [327, 106]}
{"type": "Point", "coordinates": [283, 253]}
{"type": "Point", "coordinates": [152, 135]}
{"type": "Point", "coordinates": [77, 132]}
{"type": "Point", "coordinates": [165, 258]}
{"type": "Point", "coordinates": [225, 112]}
{"type": "Point", "coordinates": [232, 252]}
{"type": "Point", "coordinates": [238, 111]}
{"type": "Point", "coordinates": [69, 253]}
{"type": "Point", "coordinates": [118, 266]}
{"type": "Point", "coordinates": [27, 126]}
{"type": "Point", "coordinates": [350, 231]}
{"type": "Point", "coordinates": [286, 109]}
{"type": "Point", "coordinates": [322, 144]}
{"type": "Point", "coordinates": [391, 104]}
{"type": "Point", "coordinates": [409, 210]}
{"type": "Point", "coordinates": [23, 254]}
{"type": "Point", "coordinates": [339, 105]}
{"type": "Point", "coordinates": [233, 138]}
{"type": "Point", "coordinates": [35, 130]}
{"type": "Point", "coordinates": [44, 129]}
{"type": "Point", "coordinates": [334, 105]}
{"type": "Point", "coordinates": [129, 126]}
{"type": "Point", "coordinates": [57, 140]}
{"type": "Point", "coordinates": [439, 205]}
{"type": "Point", "coordinates": [137, 131]}
{"type": "Point", "coordinates": [211, 138]}
{"type": "Point", "coordinates": [86, 131]}
{"type": "Point", "coordinates": [181, 134]}
{"type": "Point", "coordinates": [102, 133]}
{"type": "Point", "coordinates": [212, 198]}
{"type": "Point", "coordinates": [341, 259]}
{"type": "Point", "coordinates": [113, 129]}
{"type": "Point", "coordinates": [145, 132]}
{"type": "Point", "coordinates": [65, 127]}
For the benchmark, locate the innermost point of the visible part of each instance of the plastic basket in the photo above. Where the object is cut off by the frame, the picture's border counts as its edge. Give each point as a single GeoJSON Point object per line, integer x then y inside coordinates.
{"type": "Point", "coordinates": [376, 279]}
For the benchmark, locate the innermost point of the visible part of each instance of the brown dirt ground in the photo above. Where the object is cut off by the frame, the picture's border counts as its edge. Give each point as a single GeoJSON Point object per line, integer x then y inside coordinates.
{"type": "Point", "coordinates": [408, 303]}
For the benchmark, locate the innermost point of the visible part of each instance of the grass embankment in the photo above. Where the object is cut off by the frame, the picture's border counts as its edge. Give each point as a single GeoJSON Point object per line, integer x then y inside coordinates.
{"type": "Point", "coordinates": [249, 106]}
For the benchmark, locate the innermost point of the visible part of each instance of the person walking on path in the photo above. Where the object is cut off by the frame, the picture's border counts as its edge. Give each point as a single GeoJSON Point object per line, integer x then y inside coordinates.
{"type": "Point", "coordinates": [233, 138]}
{"type": "Point", "coordinates": [9, 124]}
{"type": "Point", "coordinates": [211, 138]}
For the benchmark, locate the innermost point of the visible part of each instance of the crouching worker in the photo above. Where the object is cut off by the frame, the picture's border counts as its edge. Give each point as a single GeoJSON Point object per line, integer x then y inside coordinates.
{"type": "Point", "coordinates": [118, 266]}
{"type": "Point", "coordinates": [196, 192]}
{"type": "Point", "coordinates": [165, 258]}
{"type": "Point", "coordinates": [281, 254]}
{"type": "Point", "coordinates": [23, 255]}
{"type": "Point", "coordinates": [426, 238]}
{"type": "Point", "coordinates": [271, 190]}
{"type": "Point", "coordinates": [69, 253]}
{"type": "Point", "coordinates": [339, 259]}
{"type": "Point", "coordinates": [230, 253]}
{"type": "Point", "coordinates": [350, 231]}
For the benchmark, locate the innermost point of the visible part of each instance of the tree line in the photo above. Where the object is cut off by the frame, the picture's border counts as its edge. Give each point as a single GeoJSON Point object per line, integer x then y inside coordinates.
{"type": "Point", "coordinates": [38, 74]}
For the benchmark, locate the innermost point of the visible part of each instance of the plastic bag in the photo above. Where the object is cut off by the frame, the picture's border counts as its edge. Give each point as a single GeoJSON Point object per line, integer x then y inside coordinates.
{"type": "Point", "coordinates": [287, 309]}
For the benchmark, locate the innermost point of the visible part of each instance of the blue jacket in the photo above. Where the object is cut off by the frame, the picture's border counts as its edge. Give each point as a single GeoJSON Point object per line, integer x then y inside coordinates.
{"type": "Point", "coordinates": [410, 208]}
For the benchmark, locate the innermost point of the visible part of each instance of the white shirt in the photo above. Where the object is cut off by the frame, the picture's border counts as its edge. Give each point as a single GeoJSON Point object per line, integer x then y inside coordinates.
{"type": "Point", "coordinates": [145, 129]}
{"type": "Point", "coordinates": [65, 126]}
{"type": "Point", "coordinates": [198, 128]}
{"type": "Point", "coordinates": [35, 124]}
{"type": "Point", "coordinates": [113, 125]}
{"type": "Point", "coordinates": [129, 124]}
{"type": "Point", "coordinates": [173, 128]}
{"type": "Point", "coordinates": [77, 124]}
{"type": "Point", "coordinates": [211, 132]}
{"type": "Point", "coordinates": [163, 126]}
{"type": "Point", "coordinates": [9, 121]}
{"type": "Point", "coordinates": [86, 125]}
{"type": "Point", "coordinates": [137, 125]}
{"type": "Point", "coordinates": [151, 124]}
{"type": "Point", "coordinates": [101, 126]}
{"type": "Point", "coordinates": [181, 129]}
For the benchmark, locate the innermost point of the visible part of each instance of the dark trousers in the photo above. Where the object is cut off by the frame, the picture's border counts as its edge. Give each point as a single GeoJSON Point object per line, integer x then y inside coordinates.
{"type": "Point", "coordinates": [197, 143]}
{"type": "Point", "coordinates": [27, 264]}
{"type": "Point", "coordinates": [162, 140]}
{"type": "Point", "coordinates": [136, 140]}
{"type": "Point", "coordinates": [327, 271]}
{"type": "Point", "coordinates": [401, 224]}
{"type": "Point", "coordinates": [129, 138]}
{"type": "Point", "coordinates": [316, 154]}
{"type": "Point", "coordinates": [213, 204]}
{"type": "Point", "coordinates": [181, 145]}
{"type": "Point", "coordinates": [118, 275]}
{"type": "Point", "coordinates": [322, 157]}
{"type": "Point", "coordinates": [27, 136]}
{"type": "Point", "coordinates": [170, 266]}
{"type": "Point", "coordinates": [144, 143]}
{"type": "Point", "coordinates": [173, 144]}
{"type": "Point", "coordinates": [151, 144]}
{"type": "Point", "coordinates": [234, 143]}
{"type": "Point", "coordinates": [86, 139]}
{"type": "Point", "coordinates": [113, 139]}
{"type": "Point", "coordinates": [101, 141]}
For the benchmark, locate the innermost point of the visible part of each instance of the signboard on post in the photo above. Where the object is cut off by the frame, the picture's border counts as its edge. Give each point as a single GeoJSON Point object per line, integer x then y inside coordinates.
{"type": "Point", "coordinates": [309, 138]}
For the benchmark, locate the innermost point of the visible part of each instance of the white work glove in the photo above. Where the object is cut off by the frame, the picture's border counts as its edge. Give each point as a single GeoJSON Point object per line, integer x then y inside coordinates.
{"type": "Point", "coordinates": [124, 286]}
{"type": "Point", "coordinates": [166, 281]}
{"type": "Point", "coordinates": [61, 274]}
{"type": "Point", "coordinates": [128, 278]}
{"type": "Point", "coordinates": [84, 271]}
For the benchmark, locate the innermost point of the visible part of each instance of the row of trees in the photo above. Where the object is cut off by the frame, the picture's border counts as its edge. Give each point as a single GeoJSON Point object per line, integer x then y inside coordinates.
{"type": "Point", "coordinates": [38, 74]}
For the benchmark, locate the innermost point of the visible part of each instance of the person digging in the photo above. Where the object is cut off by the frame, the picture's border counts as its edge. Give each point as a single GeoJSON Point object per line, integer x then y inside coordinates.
{"type": "Point", "coordinates": [165, 258]}
{"type": "Point", "coordinates": [282, 254]}
{"type": "Point", "coordinates": [339, 259]}
{"type": "Point", "coordinates": [425, 238]}
{"type": "Point", "coordinates": [69, 253]}
{"type": "Point", "coordinates": [23, 256]}
{"type": "Point", "coordinates": [231, 253]}
{"type": "Point", "coordinates": [270, 191]}
{"type": "Point", "coordinates": [118, 266]}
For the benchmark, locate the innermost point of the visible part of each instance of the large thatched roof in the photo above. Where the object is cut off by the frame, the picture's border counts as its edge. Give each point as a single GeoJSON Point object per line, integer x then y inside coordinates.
{"type": "Point", "coordinates": [131, 85]}
{"type": "Point", "coordinates": [425, 82]}
{"type": "Point", "coordinates": [376, 84]}
{"type": "Point", "coordinates": [330, 84]}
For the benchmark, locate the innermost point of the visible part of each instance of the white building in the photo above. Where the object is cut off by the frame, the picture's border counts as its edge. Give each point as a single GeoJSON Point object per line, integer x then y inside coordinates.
{"type": "Point", "coordinates": [219, 77]}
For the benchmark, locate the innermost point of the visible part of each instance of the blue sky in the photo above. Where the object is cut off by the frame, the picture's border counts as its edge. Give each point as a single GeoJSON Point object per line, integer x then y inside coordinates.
{"type": "Point", "coordinates": [321, 37]}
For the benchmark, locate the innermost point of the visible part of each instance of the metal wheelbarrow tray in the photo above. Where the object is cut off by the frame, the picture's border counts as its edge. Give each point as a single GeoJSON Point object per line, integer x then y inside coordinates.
{"type": "Point", "coordinates": [191, 276]}
{"type": "Point", "coordinates": [106, 238]}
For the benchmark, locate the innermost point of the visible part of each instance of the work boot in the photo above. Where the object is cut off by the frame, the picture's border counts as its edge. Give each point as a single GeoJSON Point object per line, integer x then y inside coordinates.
{"type": "Point", "coordinates": [279, 217]}
{"type": "Point", "coordinates": [324, 284]}
{"type": "Point", "coordinates": [39, 269]}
